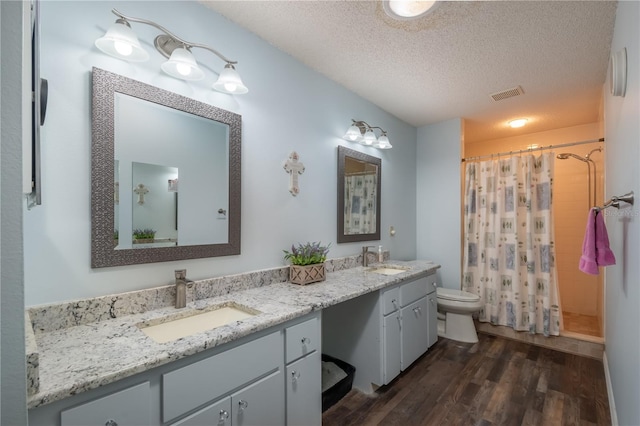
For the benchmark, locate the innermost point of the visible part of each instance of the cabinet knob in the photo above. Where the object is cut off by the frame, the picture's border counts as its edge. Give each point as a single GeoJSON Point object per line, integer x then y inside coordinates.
{"type": "Point", "coordinates": [306, 340]}
{"type": "Point", "coordinates": [434, 284]}
{"type": "Point", "coordinates": [394, 303]}
{"type": "Point", "coordinates": [433, 302]}
{"type": "Point", "coordinates": [224, 415]}
{"type": "Point", "coordinates": [111, 422]}
{"type": "Point", "coordinates": [243, 404]}
{"type": "Point", "coordinates": [295, 375]}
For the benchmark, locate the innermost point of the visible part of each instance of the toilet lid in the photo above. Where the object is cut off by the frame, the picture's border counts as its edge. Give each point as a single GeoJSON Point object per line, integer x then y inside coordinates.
{"type": "Point", "coordinates": [450, 294]}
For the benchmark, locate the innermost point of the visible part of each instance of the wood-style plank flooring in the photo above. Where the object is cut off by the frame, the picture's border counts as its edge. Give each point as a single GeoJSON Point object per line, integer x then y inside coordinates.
{"type": "Point", "coordinates": [493, 382]}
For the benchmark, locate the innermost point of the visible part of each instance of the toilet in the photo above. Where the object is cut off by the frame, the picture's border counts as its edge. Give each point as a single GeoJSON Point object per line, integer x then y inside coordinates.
{"type": "Point", "coordinates": [455, 308]}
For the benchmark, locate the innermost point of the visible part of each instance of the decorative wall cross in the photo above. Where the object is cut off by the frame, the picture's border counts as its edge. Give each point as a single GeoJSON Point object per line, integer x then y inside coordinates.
{"type": "Point", "coordinates": [294, 168]}
{"type": "Point", "coordinates": [141, 190]}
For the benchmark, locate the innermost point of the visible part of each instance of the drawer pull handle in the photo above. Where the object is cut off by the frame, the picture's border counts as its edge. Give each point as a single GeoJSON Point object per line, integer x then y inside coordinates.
{"type": "Point", "coordinates": [224, 415]}
{"type": "Point", "coordinates": [111, 422]}
{"type": "Point", "coordinates": [306, 340]}
{"type": "Point", "coordinates": [243, 404]}
{"type": "Point", "coordinates": [295, 375]}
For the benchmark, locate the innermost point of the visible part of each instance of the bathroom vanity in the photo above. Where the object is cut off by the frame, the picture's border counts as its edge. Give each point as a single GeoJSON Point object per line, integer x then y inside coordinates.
{"type": "Point", "coordinates": [261, 370]}
{"type": "Point", "coordinates": [384, 332]}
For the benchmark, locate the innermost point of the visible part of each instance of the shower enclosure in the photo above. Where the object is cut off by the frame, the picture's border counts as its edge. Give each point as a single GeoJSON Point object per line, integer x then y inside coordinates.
{"type": "Point", "coordinates": [578, 185]}
{"type": "Point", "coordinates": [577, 189]}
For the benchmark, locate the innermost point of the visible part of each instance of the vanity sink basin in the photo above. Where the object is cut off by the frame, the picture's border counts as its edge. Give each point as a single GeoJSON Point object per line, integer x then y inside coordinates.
{"type": "Point", "coordinates": [196, 322]}
{"type": "Point", "coordinates": [388, 270]}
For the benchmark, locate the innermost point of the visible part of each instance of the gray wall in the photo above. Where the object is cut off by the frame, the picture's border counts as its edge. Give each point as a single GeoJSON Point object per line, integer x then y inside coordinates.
{"type": "Point", "coordinates": [438, 200]}
{"type": "Point", "coordinates": [13, 405]}
{"type": "Point", "coordinates": [288, 108]}
{"type": "Point", "coordinates": [622, 132]}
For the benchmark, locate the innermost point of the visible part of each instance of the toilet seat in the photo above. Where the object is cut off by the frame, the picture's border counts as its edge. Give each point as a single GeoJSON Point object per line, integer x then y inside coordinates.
{"type": "Point", "coordinates": [456, 295]}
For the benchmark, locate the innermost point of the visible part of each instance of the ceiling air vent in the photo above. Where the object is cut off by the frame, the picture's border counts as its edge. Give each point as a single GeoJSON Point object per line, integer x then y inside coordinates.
{"type": "Point", "coordinates": [509, 93]}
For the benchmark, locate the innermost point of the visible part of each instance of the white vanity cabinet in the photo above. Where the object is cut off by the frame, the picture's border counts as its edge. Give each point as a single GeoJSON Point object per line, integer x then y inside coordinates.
{"type": "Point", "coordinates": [255, 368]}
{"type": "Point", "coordinates": [272, 377]}
{"type": "Point", "coordinates": [382, 333]}
{"type": "Point", "coordinates": [432, 310]}
{"type": "Point", "coordinates": [304, 373]}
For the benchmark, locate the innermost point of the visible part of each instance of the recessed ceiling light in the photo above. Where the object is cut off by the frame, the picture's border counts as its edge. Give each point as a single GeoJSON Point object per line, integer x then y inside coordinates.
{"type": "Point", "coordinates": [520, 122]}
{"type": "Point", "coordinates": [408, 9]}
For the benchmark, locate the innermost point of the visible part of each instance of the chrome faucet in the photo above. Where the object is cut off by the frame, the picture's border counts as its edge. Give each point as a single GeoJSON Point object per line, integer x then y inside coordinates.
{"type": "Point", "coordinates": [365, 253]}
{"type": "Point", "coordinates": [181, 288]}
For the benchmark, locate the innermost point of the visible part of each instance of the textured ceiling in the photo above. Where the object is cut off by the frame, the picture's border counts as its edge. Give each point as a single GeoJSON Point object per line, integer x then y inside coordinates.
{"type": "Point", "coordinates": [447, 64]}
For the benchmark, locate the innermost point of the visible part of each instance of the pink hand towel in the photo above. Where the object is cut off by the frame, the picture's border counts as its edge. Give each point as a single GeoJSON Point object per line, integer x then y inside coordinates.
{"type": "Point", "coordinates": [588, 263]}
{"type": "Point", "coordinates": [604, 255]}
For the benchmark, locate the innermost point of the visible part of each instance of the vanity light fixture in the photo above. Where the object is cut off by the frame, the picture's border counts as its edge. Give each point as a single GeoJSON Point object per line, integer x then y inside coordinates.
{"type": "Point", "coordinates": [520, 122]}
{"type": "Point", "coordinates": [121, 42]}
{"type": "Point", "coordinates": [363, 133]}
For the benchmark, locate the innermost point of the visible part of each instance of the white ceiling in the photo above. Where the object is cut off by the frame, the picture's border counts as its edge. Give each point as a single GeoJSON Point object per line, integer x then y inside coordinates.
{"type": "Point", "coordinates": [447, 64]}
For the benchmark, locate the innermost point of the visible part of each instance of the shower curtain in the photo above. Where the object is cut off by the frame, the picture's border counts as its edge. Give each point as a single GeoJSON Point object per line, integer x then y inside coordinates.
{"type": "Point", "coordinates": [360, 201]}
{"type": "Point", "coordinates": [509, 243]}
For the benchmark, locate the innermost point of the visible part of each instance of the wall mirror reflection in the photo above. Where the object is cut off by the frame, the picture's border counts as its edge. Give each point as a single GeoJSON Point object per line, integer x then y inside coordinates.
{"type": "Point", "coordinates": [359, 183]}
{"type": "Point", "coordinates": [169, 167]}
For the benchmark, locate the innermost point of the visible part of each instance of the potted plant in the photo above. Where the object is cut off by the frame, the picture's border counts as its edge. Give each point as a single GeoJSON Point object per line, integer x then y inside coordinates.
{"type": "Point", "coordinates": [307, 263]}
{"type": "Point", "coordinates": [141, 236]}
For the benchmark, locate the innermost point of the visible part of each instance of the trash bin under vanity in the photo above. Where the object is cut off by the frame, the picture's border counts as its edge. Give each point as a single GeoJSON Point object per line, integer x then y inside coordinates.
{"type": "Point", "coordinates": [337, 379]}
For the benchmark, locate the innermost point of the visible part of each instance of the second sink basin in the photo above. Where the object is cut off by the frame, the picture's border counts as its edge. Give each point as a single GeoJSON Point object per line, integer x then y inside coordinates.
{"type": "Point", "coordinates": [388, 270]}
{"type": "Point", "coordinates": [196, 322]}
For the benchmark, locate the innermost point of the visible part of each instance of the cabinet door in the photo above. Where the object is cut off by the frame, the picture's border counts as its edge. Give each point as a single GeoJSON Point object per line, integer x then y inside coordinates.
{"type": "Point", "coordinates": [304, 391]}
{"type": "Point", "coordinates": [432, 319]}
{"type": "Point", "coordinates": [218, 414]}
{"type": "Point", "coordinates": [260, 404]}
{"type": "Point", "coordinates": [414, 332]}
{"type": "Point", "coordinates": [127, 407]}
{"type": "Point", "coordinates": [391, 347]}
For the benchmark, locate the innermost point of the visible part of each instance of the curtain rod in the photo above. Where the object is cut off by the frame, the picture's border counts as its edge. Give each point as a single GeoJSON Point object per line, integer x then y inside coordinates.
{"type": "Point", "coordinates": [540, 148]}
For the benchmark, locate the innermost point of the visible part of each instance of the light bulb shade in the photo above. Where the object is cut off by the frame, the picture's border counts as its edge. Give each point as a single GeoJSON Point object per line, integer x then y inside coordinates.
{"type": "Point", "coordinates": [383, 142]}
{"type": "Point", "coordinates": [369, 138]}
{"type": "Point", "coordinates": [353, 134]}
{"type": "Point", "coordinates": [121, 42]}
{"type": "Point", "coordinates": [229, 81]}
{"type": "Point", "coordinates": [182, 65]}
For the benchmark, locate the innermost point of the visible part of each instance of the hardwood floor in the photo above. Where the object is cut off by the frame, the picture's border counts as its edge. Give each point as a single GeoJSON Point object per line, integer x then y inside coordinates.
{"type": "Point", "coordinates": [493, 382]}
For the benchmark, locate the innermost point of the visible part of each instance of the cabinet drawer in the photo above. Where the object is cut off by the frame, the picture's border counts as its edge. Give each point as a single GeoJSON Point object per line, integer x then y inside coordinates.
{"type": "Point", "coordinates": [432, 283]}
{"type": "Point", "coordinates": [203, 381]}
{"type": "Point", "coordinates": [390, 300]}
{"type": "Point", "coordinates": [302, 339]}
{"type": "Point", "coordinates": [413, 291]}
{"type": "Point", "coordinates": [127, 407]}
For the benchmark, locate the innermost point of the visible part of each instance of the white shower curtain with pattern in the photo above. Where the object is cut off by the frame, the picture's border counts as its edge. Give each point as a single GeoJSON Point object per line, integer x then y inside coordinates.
{"type": "Point", "coordinates": [509, 242]}
{"type": "Point", "coordinates": [360, 201]}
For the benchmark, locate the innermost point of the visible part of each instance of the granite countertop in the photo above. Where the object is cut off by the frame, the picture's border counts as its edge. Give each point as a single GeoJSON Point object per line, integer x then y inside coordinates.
{"type": "Point", "coordinates": [78, 358]}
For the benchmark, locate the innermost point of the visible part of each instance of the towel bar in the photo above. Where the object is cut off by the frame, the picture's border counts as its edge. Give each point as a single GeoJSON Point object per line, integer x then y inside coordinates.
{"type": "Point", "coordinates": [615, 201]}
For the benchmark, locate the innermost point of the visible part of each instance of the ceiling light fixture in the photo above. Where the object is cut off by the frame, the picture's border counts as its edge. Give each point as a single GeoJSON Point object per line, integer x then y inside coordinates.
{"type": "Point", "coordinates": [363, 133]}
{"type": "Point", "coordinates": [121, 42]}
{"type": "Point", "coordinates": [408, 9]}
{"type": "Point", "coordinates": [520, 122]}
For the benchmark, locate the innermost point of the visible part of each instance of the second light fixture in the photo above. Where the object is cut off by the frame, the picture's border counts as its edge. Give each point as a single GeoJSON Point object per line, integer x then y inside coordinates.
{"type": "Point", "coordinates": [363, 133]}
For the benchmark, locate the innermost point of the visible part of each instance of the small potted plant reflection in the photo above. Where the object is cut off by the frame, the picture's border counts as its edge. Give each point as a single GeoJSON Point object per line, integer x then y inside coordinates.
{"type": "Point", "coordinates": [307, 262]}
{"type": "Point", "coordinates": [142, 236]}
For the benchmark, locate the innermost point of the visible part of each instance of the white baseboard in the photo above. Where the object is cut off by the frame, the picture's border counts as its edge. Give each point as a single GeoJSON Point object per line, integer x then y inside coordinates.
{"type": "Point", "coordinates": [612, 404]}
